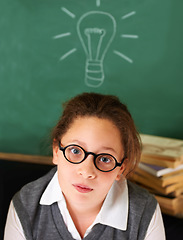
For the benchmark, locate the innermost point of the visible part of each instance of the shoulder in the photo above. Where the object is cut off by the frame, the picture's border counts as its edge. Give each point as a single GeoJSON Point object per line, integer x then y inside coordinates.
{"type": "Point", "coordinates": [140, 194]}
{"type": "Point", "coordinates": [32, 191]}
{"type": "Point", "coordinates": [142, 206]}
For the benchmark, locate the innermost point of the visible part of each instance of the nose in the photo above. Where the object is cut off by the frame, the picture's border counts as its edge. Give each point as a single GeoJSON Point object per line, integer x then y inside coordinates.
{"type": "Point", "coordinates": [87, 168]}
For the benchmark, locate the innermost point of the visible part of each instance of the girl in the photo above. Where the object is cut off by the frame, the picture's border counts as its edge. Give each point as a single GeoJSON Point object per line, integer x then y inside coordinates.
{"type": "Point", "coordinates": [88, 196]}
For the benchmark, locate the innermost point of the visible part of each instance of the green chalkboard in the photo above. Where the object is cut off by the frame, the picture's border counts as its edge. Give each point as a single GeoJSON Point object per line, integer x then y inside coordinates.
{"type": "Point", "coordinates": [51, 50]}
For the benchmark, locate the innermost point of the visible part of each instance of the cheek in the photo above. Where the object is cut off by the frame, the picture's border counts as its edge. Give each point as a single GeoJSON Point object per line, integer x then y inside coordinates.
{"type": "Point", "coordinates": [63, 168]}
{"type": "Point", "coordinates": [64, 177]}
{"type": "Point", "coordinates": [66, 170]}
{"type": "Point", "coordinates": [108, 180]}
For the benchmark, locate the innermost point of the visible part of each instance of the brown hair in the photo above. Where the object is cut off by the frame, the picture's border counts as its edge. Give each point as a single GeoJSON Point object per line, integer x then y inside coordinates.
{"type": "Point", "coordinates": [104, 107]}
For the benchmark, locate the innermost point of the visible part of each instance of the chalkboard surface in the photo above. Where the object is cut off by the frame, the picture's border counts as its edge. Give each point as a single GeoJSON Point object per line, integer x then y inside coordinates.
{"type": "Point", "coordinates": [53, 50]}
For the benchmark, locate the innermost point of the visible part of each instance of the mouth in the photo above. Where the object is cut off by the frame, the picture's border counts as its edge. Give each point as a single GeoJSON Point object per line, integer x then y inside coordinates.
{"type": "Point", "coordinates": [82, 188]}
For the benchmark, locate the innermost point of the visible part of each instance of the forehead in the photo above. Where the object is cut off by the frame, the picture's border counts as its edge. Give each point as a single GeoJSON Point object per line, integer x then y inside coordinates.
{"type": "Point", "coordinates": [94, 123]}
{"type": "Point", "coordinates": [93, 132]}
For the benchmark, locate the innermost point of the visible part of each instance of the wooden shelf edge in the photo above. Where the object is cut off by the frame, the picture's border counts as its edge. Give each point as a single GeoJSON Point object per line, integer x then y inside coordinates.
{"type": "Point", "coordinates": [37, 159]}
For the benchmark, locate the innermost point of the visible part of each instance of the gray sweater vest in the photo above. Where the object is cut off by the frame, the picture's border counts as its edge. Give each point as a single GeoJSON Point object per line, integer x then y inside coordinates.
{"type": "Point", "coordinates": [41, 222]}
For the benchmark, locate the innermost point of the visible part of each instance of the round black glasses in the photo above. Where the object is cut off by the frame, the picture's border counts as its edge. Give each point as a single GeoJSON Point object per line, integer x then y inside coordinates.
{"type": "Point", "coordinates": [76, 154]}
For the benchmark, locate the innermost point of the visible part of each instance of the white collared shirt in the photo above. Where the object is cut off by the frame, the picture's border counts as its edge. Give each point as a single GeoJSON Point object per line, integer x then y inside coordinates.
{"type": "Point", "coordinates": [116, 199]}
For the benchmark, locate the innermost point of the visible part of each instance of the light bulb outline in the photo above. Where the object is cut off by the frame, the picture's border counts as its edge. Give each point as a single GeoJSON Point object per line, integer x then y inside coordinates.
{"type": "Point", "coordinates": [120, 54]}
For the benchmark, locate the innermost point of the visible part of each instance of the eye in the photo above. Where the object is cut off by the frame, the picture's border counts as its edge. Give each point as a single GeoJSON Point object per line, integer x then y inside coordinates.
{"type": "Point", "coordinates": [105, 159]}
{"type": "Point", "coordinates": [75, 150]}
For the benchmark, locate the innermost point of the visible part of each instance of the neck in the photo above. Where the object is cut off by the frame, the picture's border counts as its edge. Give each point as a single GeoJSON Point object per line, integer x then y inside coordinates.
{"type": "Point", "coordinates": [83, 210]}
{"type": "Point", "coordinates": [83, 216]}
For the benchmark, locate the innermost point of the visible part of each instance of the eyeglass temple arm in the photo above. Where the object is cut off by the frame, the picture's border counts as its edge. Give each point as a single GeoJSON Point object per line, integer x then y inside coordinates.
{"type": "Point", "coordinates": [60, 147]}
{"type": "Point", "coordinates": [119, 164]}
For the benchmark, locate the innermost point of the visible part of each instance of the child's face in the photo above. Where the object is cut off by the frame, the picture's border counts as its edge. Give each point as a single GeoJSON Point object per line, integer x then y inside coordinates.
{"type": "Point", "coordinates": [83, 183]}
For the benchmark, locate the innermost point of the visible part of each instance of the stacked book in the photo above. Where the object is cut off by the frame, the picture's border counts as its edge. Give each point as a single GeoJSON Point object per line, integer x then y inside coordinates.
{"type": "Point", "coordinates": [161, 172]}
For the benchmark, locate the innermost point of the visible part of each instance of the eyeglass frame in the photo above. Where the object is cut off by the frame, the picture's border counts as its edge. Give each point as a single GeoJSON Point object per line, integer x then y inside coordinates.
{"type": "Point", "coordinates": [117, 164]}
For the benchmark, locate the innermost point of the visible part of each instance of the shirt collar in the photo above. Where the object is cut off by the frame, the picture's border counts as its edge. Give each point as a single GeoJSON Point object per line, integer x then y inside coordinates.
{"type": "Point", "coordinates": [52, 192]}
{"type": "Point", "coordinates": [114, 211]}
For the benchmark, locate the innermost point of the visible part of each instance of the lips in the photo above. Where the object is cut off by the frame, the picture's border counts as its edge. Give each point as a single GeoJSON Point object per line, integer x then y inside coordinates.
{"type": "Point", "coordinates": [82, 188]}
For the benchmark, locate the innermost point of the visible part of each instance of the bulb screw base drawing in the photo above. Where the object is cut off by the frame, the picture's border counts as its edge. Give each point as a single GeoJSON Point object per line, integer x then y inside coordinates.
{"type": "Point", "coordinates": [94, 76]}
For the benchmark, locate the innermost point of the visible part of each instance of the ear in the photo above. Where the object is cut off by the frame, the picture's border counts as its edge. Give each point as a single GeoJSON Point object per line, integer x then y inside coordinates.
{"type": "Point", "coordinates": [55, 155]}
{"type": "Point", "coordinates": [120, 173]}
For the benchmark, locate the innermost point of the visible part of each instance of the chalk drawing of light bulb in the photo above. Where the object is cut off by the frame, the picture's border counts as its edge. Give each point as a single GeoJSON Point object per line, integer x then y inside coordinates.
{"type": "Point", "coordinates": [96, 31]}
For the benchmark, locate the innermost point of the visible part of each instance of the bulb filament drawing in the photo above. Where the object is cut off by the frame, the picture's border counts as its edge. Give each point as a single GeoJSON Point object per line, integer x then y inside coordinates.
{"type": "Point", "coordinates": [96, 31]}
